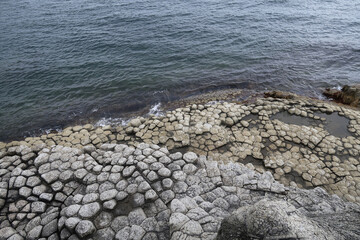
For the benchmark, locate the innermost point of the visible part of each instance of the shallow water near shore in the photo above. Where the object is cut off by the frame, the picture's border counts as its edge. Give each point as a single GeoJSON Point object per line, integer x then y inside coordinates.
{"type": "Point", "coordinates": [68, 61]}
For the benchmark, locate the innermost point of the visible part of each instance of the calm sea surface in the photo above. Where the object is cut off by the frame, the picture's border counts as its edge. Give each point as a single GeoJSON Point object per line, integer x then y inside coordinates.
{"type": "Point", "coordinates": [67, 60]}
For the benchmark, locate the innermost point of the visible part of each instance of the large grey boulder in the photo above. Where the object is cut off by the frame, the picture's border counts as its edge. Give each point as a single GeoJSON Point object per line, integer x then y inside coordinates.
{"type": "Point", "coordinates": [274, 220]}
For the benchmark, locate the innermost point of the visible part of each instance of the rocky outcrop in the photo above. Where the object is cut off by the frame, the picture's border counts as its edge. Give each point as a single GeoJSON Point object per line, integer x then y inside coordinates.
{"type": "Point", "coordinates": [279, 219]}
{"type": "Point", "coordinates": [123, 192]}
{"type": "Point", "coordinates": [178, 176]}
{"type": "Point", "coordinates": [349, 95]}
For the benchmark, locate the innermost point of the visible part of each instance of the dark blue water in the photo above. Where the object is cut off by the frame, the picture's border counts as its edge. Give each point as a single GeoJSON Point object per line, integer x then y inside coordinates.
{"type": "Point", "coordinates": [67, 60]}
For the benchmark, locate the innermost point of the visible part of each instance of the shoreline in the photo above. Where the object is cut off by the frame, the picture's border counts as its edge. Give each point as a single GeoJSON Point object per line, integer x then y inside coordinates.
{"type": "Point", "coordinates": [117, 118]}
{"type": "Point", "coordinates": [183, 135]}
{"type": "Point", "coordinates": [196, 162]}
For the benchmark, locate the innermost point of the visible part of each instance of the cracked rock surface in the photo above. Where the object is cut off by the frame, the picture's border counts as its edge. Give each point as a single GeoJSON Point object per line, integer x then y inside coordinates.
{"type": "Point", "coordinates": [180, 175]}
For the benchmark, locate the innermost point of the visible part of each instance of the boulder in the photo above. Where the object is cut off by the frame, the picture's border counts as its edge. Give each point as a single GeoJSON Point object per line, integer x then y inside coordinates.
{"type": "Point", "coordinates": [279, 219]}
{"type": "Point", "coordinates": [349, 95]}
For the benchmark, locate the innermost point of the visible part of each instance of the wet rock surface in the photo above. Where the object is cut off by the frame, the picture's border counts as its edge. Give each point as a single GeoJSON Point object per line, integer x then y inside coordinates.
{"type": "Point", "coordinates": [180, 175]}
{"type": "Point", "coordinates": [349, 95]}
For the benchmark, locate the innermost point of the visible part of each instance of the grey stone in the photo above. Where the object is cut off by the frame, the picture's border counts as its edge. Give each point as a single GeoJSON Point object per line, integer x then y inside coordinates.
{"type": "Point", "coordinates": [152, 176]}
{"type": "Point", "coordinates": [138, 199]}
{"type": "Point", "coordinates": [179, 175]}
{"type": "Point", "coordinates": [128, 171]}
{"type": "Point", "coordinates": [123, 234]}
{"type": "Point", "coordinates": [72, 210]}
{"type": "Point", "coordinates": [6, 232]}
{"type": "Point", "coordinates": [197, 214]}
{"type": "Point", "coordinates": [121, 195]}
{"type": "Point", "coordinates": [91, 197]}
{"type": "Point", "coordinates": [103, 220]}
{"type": "Point", "coordinates": [71, 222]}
{"type": "Point", "coordinates": [180, 187]}
{"type": "Point", "coordinates": [136, 232]}
{"type": "Point", "coordinates": [119, 223]}
{"type": "Point", "coordinates": [89, 210]}
{"type": "Point", "coordinates": [151, 195]}
{"type": "Point", "coordinates": [106, 233]}
{"type": "Point", "coordinates": [177, 206]}
{"type": "Point", "coordinates": [164, 172]}
{"type": "Point", "coordinates": [177, 221]}
{"type": "Point", "coordinates": [176, 156]}
{"type": "Point", "coordinates": [167, 183]}
{"type": "Point", "coordinates": [65, 234]}
{"type": "Point", "coordinates": [192, 228]}
{"type": "Point", "coordinates": [57, 186]}
{"type": "Point", "coordinates": [149, 224]}
{"type": "Point", "coordinates": [136, 217]}
{"type": "Point", "coordinates": [143, 187]}
{"type": "Point", "coordinates": [132, 188]}
{"type": "Point", "coordinates": [51, 176]}
{"type": "Point", "coordinates": [165, 160]}
{"type": "Point", "coordinates": [150, 236]}
{"type": "Point", "coordinates": [20, 182]}
{"type": "Point", "coordinates": [221, 203]}
{"type": "Point", "coordinates": [110, 204]}
{"type": "Point", "coordinates": [34, 233]}
{"type": "Point", "coordinates": [33, 223]}
{"type": "Point", "coordinates": [136, 122]}
{"type": "Point", "coordinates": [212, 169]}
{"type": "Point", "coordinates": [189, 168]}
{"type": "Point", "coordinates": [16, 237]}
{"type": "Point", "coordinates": [41, 159]}
{"type": "Point", "coordinates": [128, 151]}
{"type": "Point", "coordinates": [190, 157]}
{"type": "Point", "coordinates": [33, 181]}
{"type": "Point", "coordinates": [85, 228]}
{"type": "Point", "coordinates": [272, 219]}
{"type": "Point", "coordinates": [38, 190]}
{"type": "Point", "coordinates": [107, 195]}
{"type": "Point", "coordinates": [106, 186]}
{"type": "Point", "coordinates": [121, 185]}
{"type": "Point", "coordinates": [24, 191]}
{"type": "Point", "coordinates": [49, 228]}
{"type": "Point", "coordinates": [80, 173]}
{"type": "Point", "coordinates": [114, 177]}
{"type": "Point", "coordinates": [38, 207]}
{"type": "Point", "coordinates": [167, 196]}
{"type": "Point", "coordinates": [46, 196]}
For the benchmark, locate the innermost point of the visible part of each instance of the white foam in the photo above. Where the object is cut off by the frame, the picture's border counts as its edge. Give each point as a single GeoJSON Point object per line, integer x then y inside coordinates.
{"type": "Point", "coordinates": [156, 110]}
{"type": "Point", "coordinates": [338, 87]}
{"type": "Point", "coordinates": [48, 131]}
{"type": "Point", "coordinates": [111, 121]}
{"type": "Point", "coordinates": [213, 102]}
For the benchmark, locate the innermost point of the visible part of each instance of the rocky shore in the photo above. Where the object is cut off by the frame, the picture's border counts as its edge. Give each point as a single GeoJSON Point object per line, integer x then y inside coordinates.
{"type": "Point", "coordinates": [281, 167]}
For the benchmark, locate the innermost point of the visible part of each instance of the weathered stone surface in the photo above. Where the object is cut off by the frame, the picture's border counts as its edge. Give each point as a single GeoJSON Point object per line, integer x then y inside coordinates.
{"type": "Point", "coordinates": [190, 157]}
{"type": "Point", "coordinates": [89, 210]}
{"type": "Point", "coordinates": [38, 207]}
{"type": "Point", "coordinates": [272, 219]}
{"type": "Point", "coordinates": [232, 155]}
{"type": "Point", "coordinates": [85, 228]}
{"type": "Point", "coordinates": [136, 216]}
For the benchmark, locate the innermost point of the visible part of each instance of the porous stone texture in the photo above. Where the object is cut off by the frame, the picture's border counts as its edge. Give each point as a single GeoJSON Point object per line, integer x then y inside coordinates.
{"type": "Point", "coordinates": [280, 220]}
{"type": "Point", "coordinates": [180, 175]}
